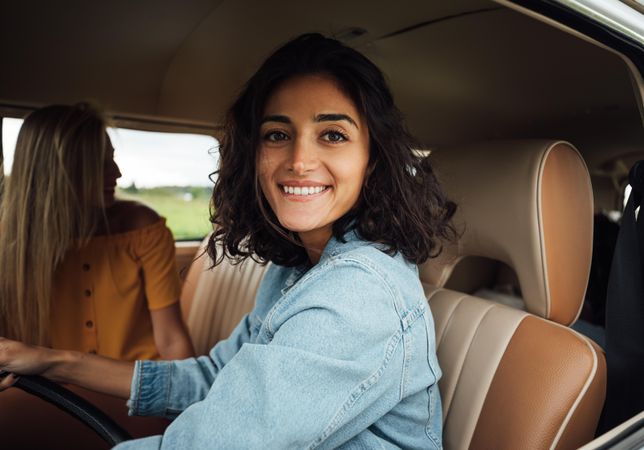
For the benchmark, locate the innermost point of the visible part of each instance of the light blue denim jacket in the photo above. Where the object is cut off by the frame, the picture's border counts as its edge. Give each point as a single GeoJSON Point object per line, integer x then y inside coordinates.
{"type": "Point", "coordinates": [341, 354]}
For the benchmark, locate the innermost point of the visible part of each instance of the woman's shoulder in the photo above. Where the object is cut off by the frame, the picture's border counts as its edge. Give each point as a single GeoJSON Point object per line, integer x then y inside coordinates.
{"type": "Point", "coordinates": [375, 258]}
{"type": "Point", "coordinates": [359, 270]}
{"type": "Point", "coordinates": [355, 274]}
{"type": "Point", "coordinates": [368, 267]}
{"type": "Point", "coordinates": [128, 215]}
{"type": "Point", "coordinates": [343, 290]}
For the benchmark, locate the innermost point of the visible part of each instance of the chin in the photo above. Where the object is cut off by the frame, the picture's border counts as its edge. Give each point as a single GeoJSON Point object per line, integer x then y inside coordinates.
{"type": "Point", "coordinates": [299, 226]}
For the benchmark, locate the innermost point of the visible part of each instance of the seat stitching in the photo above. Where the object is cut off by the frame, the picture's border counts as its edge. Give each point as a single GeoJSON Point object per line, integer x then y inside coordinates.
{"type": "Point", "coordinates": [439, 339]}
{"type": "Point", "coordinates": [460, 368]}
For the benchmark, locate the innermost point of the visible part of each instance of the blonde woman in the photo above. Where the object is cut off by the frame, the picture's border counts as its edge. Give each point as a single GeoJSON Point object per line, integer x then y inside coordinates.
{"type": "Point", "coordinates": [79, 269]}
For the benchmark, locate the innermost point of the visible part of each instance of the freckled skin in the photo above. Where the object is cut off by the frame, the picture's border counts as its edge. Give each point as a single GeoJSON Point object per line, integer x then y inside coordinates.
{"type": "Point", "coordinates": [312, 135]}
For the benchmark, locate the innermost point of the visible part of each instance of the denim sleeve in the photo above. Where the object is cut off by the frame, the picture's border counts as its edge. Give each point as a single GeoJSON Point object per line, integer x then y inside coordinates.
{"type": "Point", "coordinates": [333, 361]}
{"type": "Point", "coordinates": [166, 388]}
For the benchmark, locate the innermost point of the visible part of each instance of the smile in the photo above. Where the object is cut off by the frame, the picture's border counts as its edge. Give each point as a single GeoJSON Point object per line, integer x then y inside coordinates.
{"type": "Point", "coordinates": [303, 190]}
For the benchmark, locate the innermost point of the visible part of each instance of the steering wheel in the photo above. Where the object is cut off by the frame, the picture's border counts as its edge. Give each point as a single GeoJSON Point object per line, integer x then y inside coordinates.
{"type": "Point", "coordinates": [76, 406]}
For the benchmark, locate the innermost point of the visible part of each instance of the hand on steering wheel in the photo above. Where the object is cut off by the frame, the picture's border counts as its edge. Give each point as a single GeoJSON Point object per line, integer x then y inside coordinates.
{"type": "Point", "coordinates": [29, 361]}
{"type": "Point", "coordinates": [22, 359]}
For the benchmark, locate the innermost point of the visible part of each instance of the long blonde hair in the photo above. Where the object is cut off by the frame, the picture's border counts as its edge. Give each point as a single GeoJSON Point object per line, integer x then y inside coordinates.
{"type": "Point", "coordinates": [51, 201]}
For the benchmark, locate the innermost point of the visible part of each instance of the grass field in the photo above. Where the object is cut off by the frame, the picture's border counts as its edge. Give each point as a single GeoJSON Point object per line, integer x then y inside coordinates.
{"type": "Point", "coordinates": [185, 208]}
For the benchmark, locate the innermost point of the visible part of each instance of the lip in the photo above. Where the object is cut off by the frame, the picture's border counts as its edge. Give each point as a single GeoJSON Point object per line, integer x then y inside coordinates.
{"type": "Point", "coordinates": [301, 183]}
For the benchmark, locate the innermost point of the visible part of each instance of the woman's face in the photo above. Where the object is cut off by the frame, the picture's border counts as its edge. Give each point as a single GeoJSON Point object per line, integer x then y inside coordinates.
{"type": "Point", "coordinates": [111, 173]}
{"type": "Point", "coordinates": [313, 154]}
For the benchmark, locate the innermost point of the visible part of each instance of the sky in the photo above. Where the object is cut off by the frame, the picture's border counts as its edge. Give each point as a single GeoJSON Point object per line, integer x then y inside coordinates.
{"type": "Point", "coordinates": [146, 158]}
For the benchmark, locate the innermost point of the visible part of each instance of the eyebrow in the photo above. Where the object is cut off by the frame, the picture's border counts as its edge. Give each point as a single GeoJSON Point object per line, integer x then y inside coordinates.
{"type": "Point", "coordinates": [318, 118]}
{"type": "Point", "coordinates": [335, 118]}
{"type": "Point", "coordinates": [276, 118]}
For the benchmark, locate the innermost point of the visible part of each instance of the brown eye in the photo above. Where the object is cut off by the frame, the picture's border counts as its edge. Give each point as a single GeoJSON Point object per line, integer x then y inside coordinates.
{"type": "Point", "coordinates": [275, 136]}
{"type": "Point", "coordinates": [334, 136]}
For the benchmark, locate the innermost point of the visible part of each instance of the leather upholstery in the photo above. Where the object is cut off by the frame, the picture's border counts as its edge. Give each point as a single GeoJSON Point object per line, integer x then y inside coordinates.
{"type": "Point", "coordinates": [527, 204]}
{"type": "Point", "coordinates": [511, 379]}
{"type": "Point", "coordinates": [213, 301]}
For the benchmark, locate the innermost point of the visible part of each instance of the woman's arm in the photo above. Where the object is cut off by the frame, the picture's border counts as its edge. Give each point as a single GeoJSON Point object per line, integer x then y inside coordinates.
{"type": "Point", "coordinates": [170, 333]}
{"type": "Point", "coordinates": [93, 372]}
{"type": "Point", "coordinates": [161, 283]}
{"type": "Point", "coordinates": [331, 364]}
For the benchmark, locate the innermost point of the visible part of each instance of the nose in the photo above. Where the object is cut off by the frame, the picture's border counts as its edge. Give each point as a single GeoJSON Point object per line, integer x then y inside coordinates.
{"type": "Point", "coordinates": [303, 157]}
{"type": "Point", "coordinates": [113, 171]}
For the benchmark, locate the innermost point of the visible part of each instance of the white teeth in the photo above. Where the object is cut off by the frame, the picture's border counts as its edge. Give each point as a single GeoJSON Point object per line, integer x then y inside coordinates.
{"type": "Point", "coordinates": [303, 190]}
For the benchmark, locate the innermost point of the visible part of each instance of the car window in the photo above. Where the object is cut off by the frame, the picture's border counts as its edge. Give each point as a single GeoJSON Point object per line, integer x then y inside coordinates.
{"type": "Point", "coordinates": [167, 171]}
{"type": "Point", "coordinates": [10, 128]}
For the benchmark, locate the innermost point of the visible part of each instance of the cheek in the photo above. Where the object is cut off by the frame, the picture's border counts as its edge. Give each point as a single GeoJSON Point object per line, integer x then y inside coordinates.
{"type": "Point", "coordinates": [352, 176]}
{"type": "Point", "coordinates": [265, 169]}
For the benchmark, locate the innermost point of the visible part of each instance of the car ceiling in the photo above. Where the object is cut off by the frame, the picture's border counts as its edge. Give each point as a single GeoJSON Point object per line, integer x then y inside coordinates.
{"type": "Point", "coordinates": [461, 70]}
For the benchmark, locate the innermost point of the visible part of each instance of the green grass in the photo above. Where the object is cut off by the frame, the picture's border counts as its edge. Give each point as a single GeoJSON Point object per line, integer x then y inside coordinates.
{"type": "Point", "coordinates": [185, 208]}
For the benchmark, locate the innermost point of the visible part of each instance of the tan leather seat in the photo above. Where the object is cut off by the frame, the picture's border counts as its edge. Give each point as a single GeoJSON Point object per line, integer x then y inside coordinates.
{"type": "Point", "coordinates": [514, 379]}
{"type": "Point", "coordinates": [511, 379]}
{"type": "Point", "coordinates": [213, 301]}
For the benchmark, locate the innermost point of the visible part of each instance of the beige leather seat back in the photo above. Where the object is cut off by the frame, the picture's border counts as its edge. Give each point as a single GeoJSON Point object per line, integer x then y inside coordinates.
{"type": "Point", "coordinates": [511, 379]}
{"type": "Point", "coordinates": [515, 379]}
{"type": "Point", "coordinates": [213, 301]}
{"type": "Point", "coordinates": [529, 205]}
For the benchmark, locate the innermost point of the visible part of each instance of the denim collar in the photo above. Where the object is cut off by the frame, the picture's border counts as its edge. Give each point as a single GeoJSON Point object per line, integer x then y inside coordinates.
{"type": "Point", "coordinates": [333, 248]}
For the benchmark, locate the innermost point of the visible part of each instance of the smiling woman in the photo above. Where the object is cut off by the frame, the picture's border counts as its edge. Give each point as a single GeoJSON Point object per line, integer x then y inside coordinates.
{"type": "Point", "coordinates": [312, 161]}
{"type": "Point", "coordinates": [341, 343]}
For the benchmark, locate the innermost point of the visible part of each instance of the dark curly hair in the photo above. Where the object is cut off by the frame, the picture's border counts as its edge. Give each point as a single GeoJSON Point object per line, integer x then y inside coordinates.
{"type": "Point", "coordinates": [401, 204]}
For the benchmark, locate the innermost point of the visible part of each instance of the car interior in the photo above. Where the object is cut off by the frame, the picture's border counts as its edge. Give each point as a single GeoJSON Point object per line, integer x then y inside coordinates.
{"type": "Point", "coordinates": [531, 120]}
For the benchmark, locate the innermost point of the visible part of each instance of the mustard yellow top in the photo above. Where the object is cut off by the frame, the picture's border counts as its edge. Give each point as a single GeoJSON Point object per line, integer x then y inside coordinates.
{"type": "Point", "coordinates": [103, 293]}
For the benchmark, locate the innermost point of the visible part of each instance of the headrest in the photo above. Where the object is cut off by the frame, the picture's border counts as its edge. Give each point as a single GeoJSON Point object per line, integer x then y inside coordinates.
{"type": "Point", "coordinates": [528, 204]}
